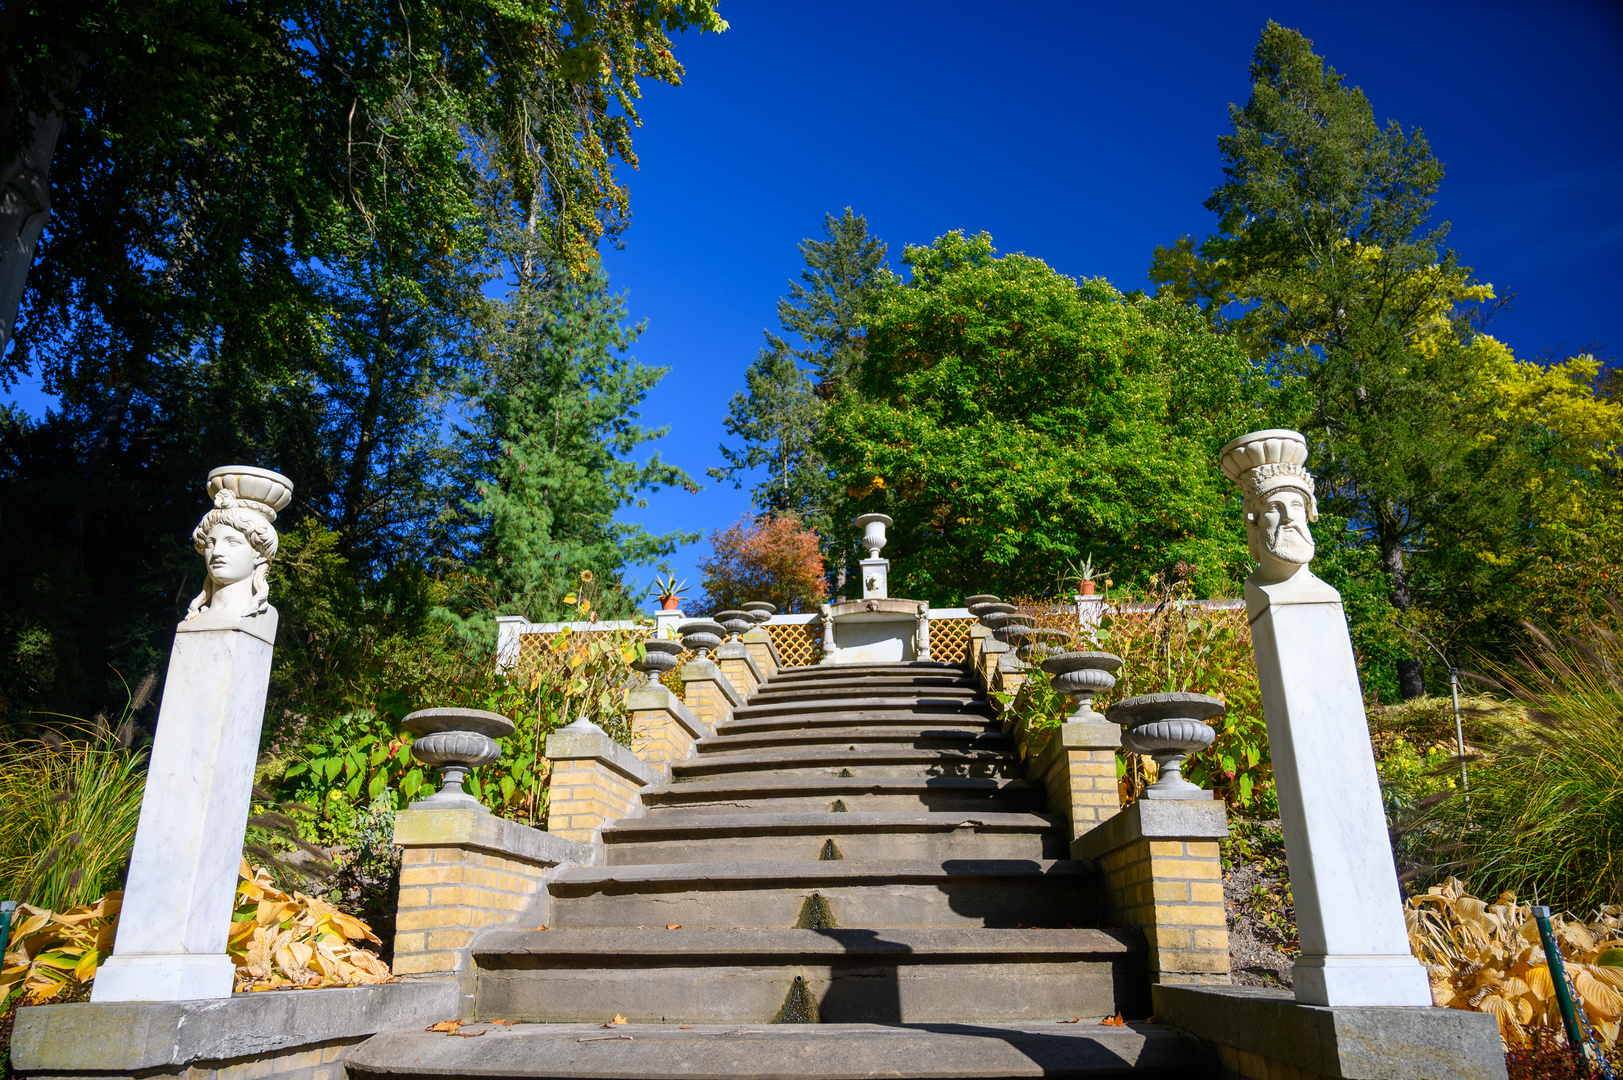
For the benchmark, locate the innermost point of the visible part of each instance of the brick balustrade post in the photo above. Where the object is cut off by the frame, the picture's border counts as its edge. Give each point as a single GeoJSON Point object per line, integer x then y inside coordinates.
{"type": "Point", "coordinates": [663, 730]}
{"type": "Point", "coordinates": [1162, 874]}
{"type": "Point", "coordinates": [463, 869]}
{"type": "Point", "coordinates": [594, 780]}
{"type": "Point", "coordinates": [1077, 767]}
{"type": "Point", "coordinates": [738, 664]}
{"type": "Point", "coordinates": [764, 650]}
{"type": "Point", "coordinates": [708, 693]}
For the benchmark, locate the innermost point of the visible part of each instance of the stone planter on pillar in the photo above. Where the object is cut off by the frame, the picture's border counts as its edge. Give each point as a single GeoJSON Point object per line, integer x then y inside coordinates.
{"type": "Point", "coordinates": [455, 740]}
{"type": "Point", "coordinates": [181, 888]}
{"type": "Point", "coordinates": [1349, 912]}
{"type": "Point", "coordinates": [875, 571]}
{"type": "Point", "coordinates": [1168, 727]}
{"type": "Point", "coordinates": [701, 635]}
{"type": "Point", "coordinates": [1080, 676]}
{"type": "Point", "coordinates": [659, 656]}
{"type": "Point", "coordinates": [735, 622]}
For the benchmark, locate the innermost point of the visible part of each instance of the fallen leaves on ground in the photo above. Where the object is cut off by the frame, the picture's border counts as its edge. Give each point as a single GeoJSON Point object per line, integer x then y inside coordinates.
{"type": "Point", "coordinates": [673, 926]}
{"type": "Point", "coordinates": [280, 941]}
{"type": "Point", "coordinates": [447, 1026]}
{"type": "Point", "coordinates": [49, 951]}
{"type": "Point", "coordinates": [1114, 1021]}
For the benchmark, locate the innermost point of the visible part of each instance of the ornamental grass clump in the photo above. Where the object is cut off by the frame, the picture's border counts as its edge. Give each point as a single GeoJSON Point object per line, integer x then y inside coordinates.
{"type": "Point", "coordinates": [68, 809]}
{"type": "Point", "coordinates": [1543, 809]}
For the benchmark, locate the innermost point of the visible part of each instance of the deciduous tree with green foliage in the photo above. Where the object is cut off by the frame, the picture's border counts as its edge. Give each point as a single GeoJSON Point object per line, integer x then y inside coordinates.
{"type": "Point", "coordinates": [1012, 420]}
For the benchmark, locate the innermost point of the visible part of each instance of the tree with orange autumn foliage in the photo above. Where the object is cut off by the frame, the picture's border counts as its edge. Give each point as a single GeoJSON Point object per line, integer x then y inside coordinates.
{"type": "Point", "coordinates": [773, 558]}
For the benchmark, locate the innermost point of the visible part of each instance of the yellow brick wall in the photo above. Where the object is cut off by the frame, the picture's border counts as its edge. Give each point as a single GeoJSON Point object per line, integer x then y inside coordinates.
{"type": "Point", "coordinates": [1084, 788]}
{"type": "Point", "coordinates": [446, 895]}
{"type": "Point", "coordinates": [706, 700]}
{"type": "Point", "coordinates": [584, 794]}
{"type": "Point", "coordinates": [763, 658]}
{"type": "Point", "coordinates": [658, 738]}
{"type": "Point", "coordinates": [1173, 890]}
{"type": "Point", "coordinates": [738, 673]}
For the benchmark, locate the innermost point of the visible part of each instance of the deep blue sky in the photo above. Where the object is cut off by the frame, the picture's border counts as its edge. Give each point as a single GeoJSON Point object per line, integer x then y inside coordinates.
{"type": "Point", "coordinates": [1085, 134]}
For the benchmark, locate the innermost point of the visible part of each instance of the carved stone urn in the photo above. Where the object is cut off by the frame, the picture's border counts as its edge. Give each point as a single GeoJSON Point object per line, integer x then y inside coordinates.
{"type": "Point", "coordinates": [1040, 642]}
{"type": "Point", "coordinates": [456, 740]}
{"type": "Point", "coordinates": [973, 602]}
{"type": "Point", "coordinates": [1168, 727]}
{"type": "Point", "coordinates": [701, 635]}
{"type": "Point", "coordinates": [659, 656]}
{"type": "Point", "coordinates": [735, 622]}
{"type": "Point", "coordinates": [873, 528]}
{"type": "Point", "coordinates": [760, 610]}
{"type": "Point", "coordinates": [1079, 676]}
{"type": "Point", "coordinates": [985, 611]}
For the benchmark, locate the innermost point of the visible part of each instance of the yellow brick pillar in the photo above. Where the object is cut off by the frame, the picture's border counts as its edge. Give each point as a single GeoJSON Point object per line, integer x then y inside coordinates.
{"type": "Point", "coordinates": [975, 658]}
{"type": "Point", "coordinates": [463, 869]}
{"type": "Point", "coordinates": [1077, 767]}
{"type": "Point", "coordinates": [595, 781]}
{"type": "Point", "coordinates": [738, 664]}
{"type": "Point", "coordinates": [764, 650]}
{"type": "Point", "coordinates": [708, 693]}
{"type": "Point", "coordinates": [1162, 874]}
{"type": "Point", "coordinates": [663, 730]}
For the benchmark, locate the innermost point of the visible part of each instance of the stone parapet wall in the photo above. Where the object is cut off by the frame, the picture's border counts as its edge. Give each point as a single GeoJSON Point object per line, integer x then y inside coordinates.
{"type": "Point", "coordinates": [286, 1035]}
{"type": "Point", "coordinates": [1162, 874]}
{"type": "Point", "coordinates": [462, 870]}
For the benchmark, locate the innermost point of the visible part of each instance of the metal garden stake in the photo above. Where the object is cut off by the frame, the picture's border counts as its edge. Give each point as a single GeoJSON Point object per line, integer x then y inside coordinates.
{"type": "Point", "coordinates": [1558, 976]}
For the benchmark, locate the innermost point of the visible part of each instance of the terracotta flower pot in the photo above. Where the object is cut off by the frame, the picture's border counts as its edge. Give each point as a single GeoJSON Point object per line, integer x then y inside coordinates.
{"type": "Point", "coordinates": [1087, 588]}
{"type": "Point", "coordinates": [670, 603]}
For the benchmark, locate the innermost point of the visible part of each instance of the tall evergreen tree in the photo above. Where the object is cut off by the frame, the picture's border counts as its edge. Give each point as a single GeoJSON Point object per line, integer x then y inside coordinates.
{"type": "Point", "coordinates": [778, 416]}
{"type": "Point", "coordinates": [1327, 267]}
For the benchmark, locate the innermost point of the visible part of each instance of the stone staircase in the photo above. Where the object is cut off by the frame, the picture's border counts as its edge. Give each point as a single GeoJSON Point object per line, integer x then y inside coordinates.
{"type": "Point", "coordinates": [850, 878]}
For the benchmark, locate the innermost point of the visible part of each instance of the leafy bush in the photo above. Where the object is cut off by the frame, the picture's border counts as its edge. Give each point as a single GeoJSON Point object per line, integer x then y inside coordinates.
{"type": "Point", "coordinates": [280, 941]}
{"type": "Point", "coordinates": [773, 558]}
{"type": "Point", "coordinates": [1488, 957]}
{"type": "Point", "coordinates": [67, 818]}
{"type": "Point", "coordinates": [50, 952]}
{"type": "Point", "coordinates": [1545, 806]}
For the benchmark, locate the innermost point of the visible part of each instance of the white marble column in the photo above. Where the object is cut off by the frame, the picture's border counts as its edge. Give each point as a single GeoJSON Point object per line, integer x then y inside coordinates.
{"type": "Point", "coordinates": [1349, 912]}
{"type": "Point", "coordinates": [180, 892]}
{"type": "Point", "coordinates": [182, 883]}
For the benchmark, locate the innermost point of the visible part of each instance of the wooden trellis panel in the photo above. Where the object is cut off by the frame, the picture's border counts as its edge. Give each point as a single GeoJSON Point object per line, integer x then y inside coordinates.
{"type": "Point", "coordinates": [949, 640]}
{"type": "Point", "coordinates": [798, 644]}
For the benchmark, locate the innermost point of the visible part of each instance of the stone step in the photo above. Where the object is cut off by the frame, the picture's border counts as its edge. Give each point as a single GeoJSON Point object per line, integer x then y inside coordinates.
{"type": "Point", "coordinates": [774, 1051]}
{"type": "Point", "coordinates": [673, 837]}
{"type": "Point", "coordinates": [870, 720]}
{"type": "Point", "coordinates": [814, 707]}
{"type": "Point", "coordinates": [799, 794]}
{"type": "Point", "coordinates": [875, 761]}
{"type": "Point", "coordinates": [863, 671]}
{"type": "Point", "coordinates": [922, 737]}
{"type": "Point", "coordinates": [846, 976]}
{"type": "Point", "coordinates": [879, 893]}
{"type": "Point", "coordinates": [769, 695]}
{"type": "Point", "coordinates": [948, 680]}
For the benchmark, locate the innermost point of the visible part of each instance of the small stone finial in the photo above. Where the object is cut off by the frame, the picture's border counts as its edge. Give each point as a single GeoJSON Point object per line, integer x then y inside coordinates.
{"type": "Point", "coordinates": [238, 542]}
{"type": "Point", "coordinates": [873, 528]}
{"type": "Point", "coordinates": [1269, 467]}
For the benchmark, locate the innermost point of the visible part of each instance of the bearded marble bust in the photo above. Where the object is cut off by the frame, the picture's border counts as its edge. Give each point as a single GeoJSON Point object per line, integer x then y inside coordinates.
{"type": "Point", "coordinates": [237, 542]}
{"type": "Point", "coordinates": [1279, 500]}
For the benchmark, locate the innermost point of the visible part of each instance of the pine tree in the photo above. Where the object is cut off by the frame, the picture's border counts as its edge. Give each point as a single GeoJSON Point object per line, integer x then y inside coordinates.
{"type": "Point", "coordinates": [554, 419]}
{"type": "Point", "coordinates": [778, 416]}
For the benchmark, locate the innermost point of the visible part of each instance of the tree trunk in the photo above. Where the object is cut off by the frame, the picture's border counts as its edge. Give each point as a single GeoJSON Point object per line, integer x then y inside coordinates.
{"type": "Point", "coordinates": [25, 204]}
{"type": "Point", "coordinates": [1411, 672]}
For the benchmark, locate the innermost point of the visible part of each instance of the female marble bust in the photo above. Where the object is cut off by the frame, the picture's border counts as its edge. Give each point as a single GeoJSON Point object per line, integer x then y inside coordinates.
{"type": "Point", "coordinates": [238, 542]}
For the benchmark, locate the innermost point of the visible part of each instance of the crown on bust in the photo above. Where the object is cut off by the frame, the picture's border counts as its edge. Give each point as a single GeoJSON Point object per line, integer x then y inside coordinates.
{"type": "Point", "coordinates": [260, 490]}
{"type": "Point", "coordinates": [1267, 459]}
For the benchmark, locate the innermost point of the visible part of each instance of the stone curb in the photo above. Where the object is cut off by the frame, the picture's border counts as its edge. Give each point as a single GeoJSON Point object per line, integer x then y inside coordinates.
{"type": "Point", "coordinates": [1148, 819]}
{"type": "Point", "coordinates": [653, 698]}
{"type": "Point", "coordinates": [486, 832]}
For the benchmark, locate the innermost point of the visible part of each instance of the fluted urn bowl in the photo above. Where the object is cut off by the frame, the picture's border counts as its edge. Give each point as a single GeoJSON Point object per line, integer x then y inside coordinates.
{"type": "Point", "coordinates": [1273, 446]}
{"type": "Point", "coordinates": [1000, 614]}
{"type": "Point", "coordinates": [1042, 641]}
{"type": "Point", "coordinates": [986, 614]}
{"type": "Point", "coordinates": [1081, 675]}
{"type": "Point", "coordinates": [873, 528]}
{"type": "Point", "coordinates": [760, 610]}
{"type": "Point", "coordinates": [247, 482]}
{"type": "Point", "coordinates": [973, 602]}
{"type": "Point", "coordinates": [735, 622]}
{"type": "Point", "coordinates": [1015, 631]}
{"type": "Point", "coordinates": [455, 740]}
{"type": "Point", "coordinates": [659, 656]}
{"type": "Point", "coordinates": [1168, 727]}
{"type": "Point", "coordinates": [701, 635]}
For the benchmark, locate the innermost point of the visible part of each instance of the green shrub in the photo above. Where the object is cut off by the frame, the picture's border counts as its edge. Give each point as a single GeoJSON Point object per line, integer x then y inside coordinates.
{"type": "Point", "coordinates": [68, 810]}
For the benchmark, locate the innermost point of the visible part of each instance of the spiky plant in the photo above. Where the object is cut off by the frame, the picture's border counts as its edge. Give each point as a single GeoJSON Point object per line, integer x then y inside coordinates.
{"type": "Point", "coordinates": [1544, 809]}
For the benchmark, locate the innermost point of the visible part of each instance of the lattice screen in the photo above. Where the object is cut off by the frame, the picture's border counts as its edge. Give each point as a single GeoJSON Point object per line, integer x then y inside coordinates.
{"type": "Point", "coordinates": [949, 640]}
{"type": "Point", "coordinates": [798, 644]}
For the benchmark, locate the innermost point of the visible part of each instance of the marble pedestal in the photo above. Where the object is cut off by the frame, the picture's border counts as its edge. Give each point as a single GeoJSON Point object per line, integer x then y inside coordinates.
{"type": "Point", "coordinates": [1349, 912]}
{"type": "Point", "coordinates": [172, 929]}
